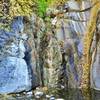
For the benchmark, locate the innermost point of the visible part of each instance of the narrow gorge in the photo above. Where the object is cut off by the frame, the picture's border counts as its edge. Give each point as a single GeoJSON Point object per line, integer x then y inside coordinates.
{"type": "Point", "coordinates": [50, 45]}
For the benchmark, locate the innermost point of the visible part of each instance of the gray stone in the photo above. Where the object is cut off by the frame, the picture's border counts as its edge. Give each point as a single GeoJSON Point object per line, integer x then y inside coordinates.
{"type": "Point", "coordinates": [5, 36]}
{"type": "Point", "coordinates": [17, 72]}
{"type": "Point", "coordinates": [39, 93]}
{"type": "Point", "coordinates": [59, 99]}
{"type": "Point", "coordinates": [17, 24]}
{"type": "Point", "coordinates": [14, 75]}
{"type": "Point", "coordinates": [95, 78]}
{"type": "Point", "coordinates": [52, 98]}
{"type": "Point", "coordinates": [14, 47]}
{"type": "Point", "coordinates": [30, 93]}
{"type": "Point", "coordinates": [47, 96]}
{"type": "Point", "coordinates": [95, 51]}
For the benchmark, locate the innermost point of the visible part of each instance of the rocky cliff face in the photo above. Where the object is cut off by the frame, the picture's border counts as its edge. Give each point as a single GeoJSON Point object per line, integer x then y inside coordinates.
{"type": "Point", "coordinates": [15, 70]}
{"type": "Point", "coordinates": [48, 52]}
{"type": "Point", "coordinates": [95, 50]}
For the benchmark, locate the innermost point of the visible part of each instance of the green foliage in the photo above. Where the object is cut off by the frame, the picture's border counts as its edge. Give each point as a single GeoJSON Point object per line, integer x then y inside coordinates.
{"type": "Point", "coordinates": [42, 5]}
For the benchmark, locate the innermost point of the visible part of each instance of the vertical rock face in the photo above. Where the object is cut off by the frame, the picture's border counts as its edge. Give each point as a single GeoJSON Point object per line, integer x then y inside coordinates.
{"type": "Point", "coordinates": [70, 33]}
{"type": "Point", "coordinates": [35, 31]}
{"type": "Point", "coordinates": [35, 53]}
{"type": "Point", "coordinates": [95, 49]}
{"type": "Point", "coordinates": [51, 60]}
{"type": "Point", "coordinates": [57, 51]}
{"type": "Point", "coordinates": [96, 69]}
{"type": "Point", "coordinates": [15, 72]}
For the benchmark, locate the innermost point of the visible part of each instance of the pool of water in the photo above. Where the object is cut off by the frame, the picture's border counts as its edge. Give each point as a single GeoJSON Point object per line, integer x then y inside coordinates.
{"type": "Point", "coordinates": [70, 94]}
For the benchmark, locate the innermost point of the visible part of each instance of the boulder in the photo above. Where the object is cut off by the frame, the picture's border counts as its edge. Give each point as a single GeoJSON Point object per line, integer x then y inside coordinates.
{"type": "Point", "coordinates": [15, 60]}
{"type": "Point", "coordinates": [14, 75]}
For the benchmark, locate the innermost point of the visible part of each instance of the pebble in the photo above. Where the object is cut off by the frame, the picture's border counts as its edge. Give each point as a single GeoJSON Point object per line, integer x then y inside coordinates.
{"type": "Point", "coordinates": [37, 88]}
{"type": "Point", "coordinates": [59, 99]}
{"type": "Point", "coordinates": [47, 96]}
{"type": "Point", "coordinates": [29, 93]}
{"type": "Point", "coordinates": [38, 94]}
{"type": "Point", "coordinates": [37, 97]}
{"type": "Point", "coordinates": [52, 98]}
{"type": "Point", "coordinates": [62, 87]}
{"type": "Point", "coordinates": [24, 93]}
{"type": "Point", "coordinates": [18, 95]}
